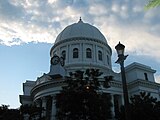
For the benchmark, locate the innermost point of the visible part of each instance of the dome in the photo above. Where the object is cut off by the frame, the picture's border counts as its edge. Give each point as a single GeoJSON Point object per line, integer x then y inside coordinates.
{"type": "Point", "coordinates": [80, 29]}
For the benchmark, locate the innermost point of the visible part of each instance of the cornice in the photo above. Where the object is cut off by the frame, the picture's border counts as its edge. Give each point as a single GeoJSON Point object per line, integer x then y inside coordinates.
{"type": "Point", "coordinates": [143, 83]}
{"type": "Point", "coordinates": [139, 66]}
{"type": "Point", "coordinates": [25, 97]}
{"type": "Point", "coordinates": [46, 85]}
{"type": "Point", "coordinates": [82, 39]}
{"type": "Point", "coordinates": [53, 83]}
{"type": "Point", "coordinates": [115, 83]}
{"type": "Point", "coordinates": [83, 64]}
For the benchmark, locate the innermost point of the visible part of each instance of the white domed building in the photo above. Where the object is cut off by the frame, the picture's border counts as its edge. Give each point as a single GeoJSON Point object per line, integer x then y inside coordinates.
{"type": "Point", "coordinates": [83, 46]}
{"type": "Point", "coordinates": [78, 47]}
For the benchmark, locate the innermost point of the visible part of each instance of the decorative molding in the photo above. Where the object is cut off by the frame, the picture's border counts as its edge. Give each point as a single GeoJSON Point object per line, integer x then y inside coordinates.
{"type": "Point", "coordinates": [136, 65]}
{"type": "Point", "coordinates": [74, 39]}
{"type": "Point", "coordinates": [25, 98]}
{"type": "Point", "coordinates": [46, 85]}
{"type": "Point", "coordinates": [114, 83]}
{"type": "Point", "coordinates": [91, 65]}
{"type": "Point", "coordinates": [143, 83]}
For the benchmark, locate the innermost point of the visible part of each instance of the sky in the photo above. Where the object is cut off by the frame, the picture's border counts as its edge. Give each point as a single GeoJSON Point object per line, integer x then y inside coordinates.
{"type": "Point", "coordinates": [28, 29]}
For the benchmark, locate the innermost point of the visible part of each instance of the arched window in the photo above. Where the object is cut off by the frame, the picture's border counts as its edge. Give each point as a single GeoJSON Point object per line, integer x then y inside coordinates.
{"type": "Point", "coordinates": [88, 53]}
{"type": "Point", "coordinates": [64, 54]}
{"type": "Point", "coordinates": [145, 76]}
{"type": "Point", "coordinates": [75, 53]}
{"type": "Point", "coordinates": [99, 55]}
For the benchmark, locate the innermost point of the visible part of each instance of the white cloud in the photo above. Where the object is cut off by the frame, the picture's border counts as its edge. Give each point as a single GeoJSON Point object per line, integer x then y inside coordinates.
{"type": "Point", "coordinates": [98, 9]}
{"type": "Point", "coordinates": [136, 39]}
{"type": "Point", "coordinates": [137, 8]}
{"type": "Point", "coordinates": [157, 78]}
{"type": "Point", "coordinates": [27, 33]}
{"type": "Point", "coordinates": [41, 21]}
{"type": "Point", "coordinates": [52, 1]}
{"type": "Point", "coordinates": [116, 8]}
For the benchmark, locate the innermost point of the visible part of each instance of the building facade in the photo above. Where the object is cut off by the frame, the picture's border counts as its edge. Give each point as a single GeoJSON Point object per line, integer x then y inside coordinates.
{"type": "Point", "coordinates": [78, 47]}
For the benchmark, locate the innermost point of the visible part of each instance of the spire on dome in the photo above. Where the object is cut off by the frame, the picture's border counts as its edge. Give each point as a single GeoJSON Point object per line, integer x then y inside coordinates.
{"type": "Point", "coordinates": [80, 20]}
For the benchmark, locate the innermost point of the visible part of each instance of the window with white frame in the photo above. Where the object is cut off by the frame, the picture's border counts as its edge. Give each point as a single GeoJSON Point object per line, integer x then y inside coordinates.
{"type": "Point", "coordinates": [75, 53]}
{"type": "Point", "coordinates": [107, 59]}
{"type": "Point", "coordinates": [88, 53]}
{"type": "Point", "coordinates": [99, 55]}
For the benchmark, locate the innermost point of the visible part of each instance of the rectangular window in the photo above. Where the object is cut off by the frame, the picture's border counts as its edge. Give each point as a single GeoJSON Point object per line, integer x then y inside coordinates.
{"type": "Point", "coordinates": [75, 53]}
{"type": "Point", "coordinates": [100, 55]}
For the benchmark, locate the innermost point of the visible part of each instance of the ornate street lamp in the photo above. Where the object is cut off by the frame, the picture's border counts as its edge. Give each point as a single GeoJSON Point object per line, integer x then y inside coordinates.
{"type": "Point", "coordinates": [121, 57]}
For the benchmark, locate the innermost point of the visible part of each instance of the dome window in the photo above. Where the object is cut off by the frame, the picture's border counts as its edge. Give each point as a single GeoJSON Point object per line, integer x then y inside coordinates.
{"type": "Point", "coordinates": [100, 55]}
{"type": "Point", "coordinates": [108, 59]}
{"type": "Point", "coordinates": [88, 53]}
{"type": "Point", "coordinates": [64, 54]}
{"type": "Point", "coordinates": [75, 53]}
{"type": "Point", "coordinates": [145, 76]}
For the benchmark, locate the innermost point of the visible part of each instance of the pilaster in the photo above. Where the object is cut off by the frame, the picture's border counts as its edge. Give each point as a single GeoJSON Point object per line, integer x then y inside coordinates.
{"type": "Point", "coordinates": [53, 112]}
{"type": "Point", "coordinates": [112, 108]}
{"type": "Point", "coordinates": [44, 104]}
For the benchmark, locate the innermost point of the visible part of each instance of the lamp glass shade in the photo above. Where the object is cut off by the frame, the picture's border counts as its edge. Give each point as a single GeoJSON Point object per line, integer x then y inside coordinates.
{"type": "Point", "coordinates": [120, 49]}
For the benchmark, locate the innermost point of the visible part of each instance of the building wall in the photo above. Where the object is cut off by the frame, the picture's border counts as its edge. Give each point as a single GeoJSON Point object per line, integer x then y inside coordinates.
{"type": "Point", "coordinates": [27, 86]}
{"type": "Point", "coordinates": [139, 77]}
{"type": "Point", "coordinates": [82, 62]}
{"type": "Point", "coordinates": [137, 71]}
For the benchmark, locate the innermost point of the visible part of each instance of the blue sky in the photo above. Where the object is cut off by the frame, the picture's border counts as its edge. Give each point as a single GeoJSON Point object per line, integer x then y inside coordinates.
{"type": "Point", "coordinates": [28, 29]}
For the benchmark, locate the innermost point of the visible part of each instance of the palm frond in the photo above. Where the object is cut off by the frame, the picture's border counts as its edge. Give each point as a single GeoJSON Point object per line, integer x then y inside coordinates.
{"type": "Point", "coordinates": [152, 4]}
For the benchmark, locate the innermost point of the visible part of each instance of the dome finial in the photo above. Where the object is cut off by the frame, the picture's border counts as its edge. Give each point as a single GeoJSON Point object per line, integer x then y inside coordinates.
{"type": "Point", "coordinates": [80, 20]}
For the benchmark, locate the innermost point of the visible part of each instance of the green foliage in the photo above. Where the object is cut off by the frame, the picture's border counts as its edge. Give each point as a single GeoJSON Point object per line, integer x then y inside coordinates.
{"type": "Point", "coordinates": [143, 99]}
{"type": "Point", "coordinates": [31, 110]}
{"type": "Point", "coordinates": [152, 4]}
{"type": "Point", "coordinates": [79, 99]}
{"type": "Point", "coordinates": [143, 107]}
{"type": "Point", "coordinates": [9, 114]}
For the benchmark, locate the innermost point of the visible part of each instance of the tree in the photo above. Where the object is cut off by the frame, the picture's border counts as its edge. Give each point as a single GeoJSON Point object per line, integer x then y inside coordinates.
{"type": "Point", "coordinates": [9, 114]}
{"type": "Point", "coordinates": [152, 4]}
{"type": "Point", "coordinates": [80, 98]}
{"type": "Point", "coordinates": [143, 107]}
{"type": "Point", "coordinates": [32, 110]}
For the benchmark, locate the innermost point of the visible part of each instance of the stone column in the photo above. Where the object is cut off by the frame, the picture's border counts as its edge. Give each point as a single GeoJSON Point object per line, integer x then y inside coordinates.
{"type": "Point", "coordinates": [38, 104]}
{"type": "Point", "coordinates": [44, 102]}
{"type": "Point", "coordinates": [26, 116]}
{"type": "Point", "coordinates": [112, 109]}
{"type": "Point", "coordinates": [120, 100]}
{"type": "Point", "coordinates": [95, 53]}
{"type": "Point", "coordinates": [81, 52]}
{"type": "Point", "coordinates": [53, 112]}
{"type": "Point", "coordinates": [69, 54]}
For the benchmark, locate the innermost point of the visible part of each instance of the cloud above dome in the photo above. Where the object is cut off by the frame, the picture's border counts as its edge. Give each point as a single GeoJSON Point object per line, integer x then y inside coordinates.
{"type": "Point", "coordinates": [42, 20]}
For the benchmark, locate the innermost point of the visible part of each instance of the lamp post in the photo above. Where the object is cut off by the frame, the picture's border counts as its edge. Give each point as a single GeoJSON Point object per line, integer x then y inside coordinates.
{"type": "Point", "coordinates": [121, 57]}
